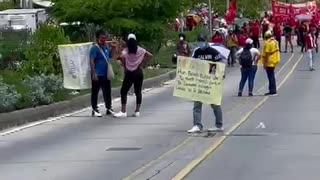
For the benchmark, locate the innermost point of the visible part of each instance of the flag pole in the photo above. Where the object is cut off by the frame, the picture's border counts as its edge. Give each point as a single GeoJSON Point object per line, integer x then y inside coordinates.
{"type": "Point", "coordinates": [210, 18]}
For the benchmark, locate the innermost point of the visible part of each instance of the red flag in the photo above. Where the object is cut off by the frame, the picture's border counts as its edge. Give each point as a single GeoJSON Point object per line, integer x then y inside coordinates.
{"type": "Point", "coordinates": [232, 12]}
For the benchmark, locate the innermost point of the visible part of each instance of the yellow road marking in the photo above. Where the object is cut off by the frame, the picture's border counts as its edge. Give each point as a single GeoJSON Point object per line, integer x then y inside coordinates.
{"type": "Point", "coordinates": [186, 141]}
{"type": "Point", "coordinates": [191, 166]}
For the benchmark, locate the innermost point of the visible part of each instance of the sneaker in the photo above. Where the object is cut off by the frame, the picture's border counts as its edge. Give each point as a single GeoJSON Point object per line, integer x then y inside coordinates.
{"type": "Point", "coordinates": [120, 115]}
{"type": "Point", "coordinates": [271, 94]}
{"type": "Point", "coordinates": [195, 129]}
{"type": "Point", "coordinates": [250, 94]}
{"type": "Point", "coordinates": [239, 94]}
{"type": "Point", "coordinates": [110, 112]}
{"type": "Point", "coordinates": [311, 69]}
{"type": "Point", "coordinates": [96, 113]}
{"type": "Point", "coordinates": [136, 114]}
{"type": "Point", "coordinates": [216, 129]}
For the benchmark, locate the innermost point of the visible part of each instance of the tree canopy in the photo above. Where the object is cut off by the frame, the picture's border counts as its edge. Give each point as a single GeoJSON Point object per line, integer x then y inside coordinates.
{"type": "Point", "coordinates": [147, 18]}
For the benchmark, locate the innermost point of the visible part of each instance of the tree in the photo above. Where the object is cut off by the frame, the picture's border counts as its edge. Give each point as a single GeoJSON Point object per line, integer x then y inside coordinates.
{"type": "Point", "coordinates": [149, 19]}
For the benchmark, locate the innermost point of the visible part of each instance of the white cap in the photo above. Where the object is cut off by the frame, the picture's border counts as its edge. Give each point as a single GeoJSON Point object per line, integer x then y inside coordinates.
{"type": "Point", "coordinates": [249, 41]}
{"type": "Point", "coordinates": [132, 36]}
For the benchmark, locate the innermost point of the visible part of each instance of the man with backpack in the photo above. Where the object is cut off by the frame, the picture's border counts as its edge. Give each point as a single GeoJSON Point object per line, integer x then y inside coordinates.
{"type": "Point", "coordinates": [248, 59]}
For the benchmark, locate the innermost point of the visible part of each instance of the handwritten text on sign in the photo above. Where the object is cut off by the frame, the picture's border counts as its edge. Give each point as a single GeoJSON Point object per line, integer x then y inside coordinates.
{"type": "Point", "coordinates": [199, 80]}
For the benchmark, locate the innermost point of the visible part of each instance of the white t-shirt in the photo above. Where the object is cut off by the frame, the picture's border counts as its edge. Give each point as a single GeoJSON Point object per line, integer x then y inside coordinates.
{"type": "Point", "coordinates": [255, 53]}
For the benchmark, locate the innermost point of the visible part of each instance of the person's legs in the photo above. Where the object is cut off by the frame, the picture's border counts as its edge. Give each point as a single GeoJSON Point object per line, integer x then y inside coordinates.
{"type": "Point", "coordinates": [244, 77]}
{"type": "Point", "coordinates": [272, 80]}
{"type": "Point", "coordinates": [290, 42]}
{"type": "Point", "coordinates": [106, 90]}
{"type": "Point", "coordinates": [230, 56]}
{"type": "Point", "coordinates": [233, 55]}
{"type": "Point", "coordinates": [310, 59]}
{"type": "Point", "coordinates": [138, 82]}
{"type": "Point", "coordinates": [94, 94]}
{"type": "Point", "coordinates": [126, 85]}
{"type": "Point", "coordinates": [218, 114]}
{"type": "Point", "coordinates": [286, 45]}
{"type": "Point", "coordinates": [197, 113]}
{"type": "Point", "coordinates": [279, 42]}
{"type": "Point", "coordinates": [252, 75]}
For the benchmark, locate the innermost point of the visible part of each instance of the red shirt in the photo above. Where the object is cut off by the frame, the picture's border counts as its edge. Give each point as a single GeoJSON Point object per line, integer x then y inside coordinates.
{"type": "Point", "coordinates": [277, 31]}
{"type": "Point", "coordinates": [244, 29]}
{"type": "Point", "coordinates": [310, 41]}
{"type": "Point", "coordinates": [255, 30]}
{"type": "Point", "coordinates": [217, 39]}
{"type": "Point", "coordinates": [242, 39]}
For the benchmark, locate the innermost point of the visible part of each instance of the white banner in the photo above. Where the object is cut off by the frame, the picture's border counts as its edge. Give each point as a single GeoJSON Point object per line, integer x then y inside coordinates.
{"type": "Point", "coordinates": [76, 65]}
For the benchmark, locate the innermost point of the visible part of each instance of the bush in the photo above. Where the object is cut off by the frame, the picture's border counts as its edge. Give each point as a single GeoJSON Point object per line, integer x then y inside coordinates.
{"type": "Point", "coordinates": [8, 97]}
{"type": "Point", "coordinates": [12, 47]}
{"type": "Point", "coordinates": [43, 88]}
{"type": "Point", "coordinates": [42, 55]}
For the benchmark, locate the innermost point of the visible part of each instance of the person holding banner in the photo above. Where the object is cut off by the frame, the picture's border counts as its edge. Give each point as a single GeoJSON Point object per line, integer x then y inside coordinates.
{"type": "Point", "coordinates": [132, 58]}
{"type": "Point", "coordinates": [205, 52]}
{"type": "Point", "coordinates": [100, 56]}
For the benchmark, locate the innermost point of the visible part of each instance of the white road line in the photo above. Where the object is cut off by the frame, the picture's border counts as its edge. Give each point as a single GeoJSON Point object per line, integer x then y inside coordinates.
{"type": "Point", "coordinates": [37, 123]}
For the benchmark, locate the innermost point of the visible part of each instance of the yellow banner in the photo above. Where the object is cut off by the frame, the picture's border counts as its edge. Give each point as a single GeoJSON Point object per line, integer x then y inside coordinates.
{"type": "Point", "coordinates": [199, 80]}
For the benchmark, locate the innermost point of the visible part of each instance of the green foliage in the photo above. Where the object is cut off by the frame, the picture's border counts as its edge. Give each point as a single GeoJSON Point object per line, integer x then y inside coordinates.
{"type": "Point", "coordinates": [12, 45]}
{"type": "Point", "coordinates": [8, 97]}
{"type": "Point", "coordinates": [42, 55]}
{"type": "Point", "coordinates": [7, 5]}
{"type": "Point", "coordinates": [147, 18]}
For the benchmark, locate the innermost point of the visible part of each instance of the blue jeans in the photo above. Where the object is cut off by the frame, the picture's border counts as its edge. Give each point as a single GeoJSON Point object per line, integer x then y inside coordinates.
{"type": "Point", "coordinates": [197, 113]}
{"type": "Point", "coordinates": [248, 73]}
{"type": "Point", "coordinates": [272, 80]}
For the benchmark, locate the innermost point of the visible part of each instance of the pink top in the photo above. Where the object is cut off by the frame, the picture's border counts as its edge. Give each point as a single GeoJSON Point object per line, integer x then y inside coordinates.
{"type": "Point", "coordinates": [133, 61]}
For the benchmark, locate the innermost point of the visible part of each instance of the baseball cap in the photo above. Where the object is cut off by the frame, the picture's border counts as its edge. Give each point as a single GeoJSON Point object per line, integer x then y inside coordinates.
{"type": "Point", "coordinates": [132, 36]}
{"type": "Point", "coordinates": [268, 34]}
{"type": "Point", "coordinates": [249, 41]}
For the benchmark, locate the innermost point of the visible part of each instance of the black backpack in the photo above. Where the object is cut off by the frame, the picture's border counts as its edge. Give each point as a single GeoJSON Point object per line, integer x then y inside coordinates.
{"type": "Point", "coordinates": [246, 58]}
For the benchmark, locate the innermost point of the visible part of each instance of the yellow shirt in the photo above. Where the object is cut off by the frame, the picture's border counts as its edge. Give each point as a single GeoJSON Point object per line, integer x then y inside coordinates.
{"type": "Point", "coordinates": [271, 47]}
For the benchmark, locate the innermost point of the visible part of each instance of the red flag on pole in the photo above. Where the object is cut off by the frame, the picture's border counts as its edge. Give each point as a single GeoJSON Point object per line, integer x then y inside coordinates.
{"type": "Point", "coordinates": [232, 12]}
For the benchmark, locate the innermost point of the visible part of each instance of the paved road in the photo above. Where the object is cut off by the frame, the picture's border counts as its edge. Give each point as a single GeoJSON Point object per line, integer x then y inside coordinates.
{"type": "Point", "coordinates": [288, 147]}
{"type": "Point", "coordinates": [156, 145]}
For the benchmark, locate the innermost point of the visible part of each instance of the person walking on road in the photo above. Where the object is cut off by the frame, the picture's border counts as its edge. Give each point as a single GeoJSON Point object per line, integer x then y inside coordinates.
{"type": "Point", "coordinates": [232, 44]}
{"type": "Point", "coordinates": [310, 42]}
{"type": "Point", "coordinates": [205, 52]}
{"type": "Point", "coordinates": [277, 33]}
{"type": "Point", "coordinates": [132, 58]}
{"type": "Point", "coordinates": [270, 60]}
{"type": "Point", "coordinates": [183, 48]}
{"type": "Point", "coordinates": [100, 56]}
{"type": "Point", "coordinates": [288, 37]}
{"type": "Point", "coordinates": [248, 59]}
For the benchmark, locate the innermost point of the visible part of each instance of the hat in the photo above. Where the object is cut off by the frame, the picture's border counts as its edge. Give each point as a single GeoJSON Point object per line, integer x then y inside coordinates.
{"type": "Point", "coordinates": [132, 36]}
{"type": "Point", "coordinates": [202, 37]}
{"type": "Point", "coordinates": [268, 34]}
{"type": "Point", "coordinates": [249, 41]}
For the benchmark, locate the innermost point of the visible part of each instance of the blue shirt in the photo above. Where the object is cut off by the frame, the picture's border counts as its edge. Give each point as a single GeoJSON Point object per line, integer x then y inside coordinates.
{"type": "Point", "coordinates": [101, 65]}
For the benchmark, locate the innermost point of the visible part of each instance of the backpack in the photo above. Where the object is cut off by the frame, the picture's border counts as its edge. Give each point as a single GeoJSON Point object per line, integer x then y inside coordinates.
{"type": "Point", "coordinates": [246, 58]}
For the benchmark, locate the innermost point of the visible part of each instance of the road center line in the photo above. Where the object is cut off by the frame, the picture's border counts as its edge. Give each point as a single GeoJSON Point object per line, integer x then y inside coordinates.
{"type": "Point", "coordinates": [191, 166]}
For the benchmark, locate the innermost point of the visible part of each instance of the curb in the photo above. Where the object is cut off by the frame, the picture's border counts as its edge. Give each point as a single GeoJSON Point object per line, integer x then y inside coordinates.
{"type": "Point", "coordinates": [24, 116]}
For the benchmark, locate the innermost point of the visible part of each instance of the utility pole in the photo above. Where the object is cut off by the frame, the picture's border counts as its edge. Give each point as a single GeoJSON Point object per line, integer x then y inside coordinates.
{"type": "Point", "coordinates": [228, 4]}
{"type": "Point", "coordinates": [210, 18]}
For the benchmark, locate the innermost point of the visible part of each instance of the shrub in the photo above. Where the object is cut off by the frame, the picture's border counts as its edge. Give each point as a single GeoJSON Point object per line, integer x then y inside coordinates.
{"type": "Point", "coordinates": [8, 97]}
{"type": "Point", "coordinates": [42, 55]}
{"type": "Point", "coordinates": [12, 47]}
{"type": "Point", "coordinates": [43, 88]}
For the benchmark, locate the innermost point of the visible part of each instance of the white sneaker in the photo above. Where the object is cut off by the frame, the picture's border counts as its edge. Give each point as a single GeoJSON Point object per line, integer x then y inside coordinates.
{"type": "Point", "coordinates": [136, 114]}
{"type": "Point", "coordinates": [96, 113]}
{"type": "Point", "coordinates": [194, 129]}
{"type": "Point", "coordinates": [120, 115]}
{"type": "Point", "coordinates": [215, 129]}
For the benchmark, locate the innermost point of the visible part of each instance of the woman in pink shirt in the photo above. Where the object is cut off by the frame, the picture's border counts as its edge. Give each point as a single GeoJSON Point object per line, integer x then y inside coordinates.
{"type": "Point", "coordinates": [132, 58]}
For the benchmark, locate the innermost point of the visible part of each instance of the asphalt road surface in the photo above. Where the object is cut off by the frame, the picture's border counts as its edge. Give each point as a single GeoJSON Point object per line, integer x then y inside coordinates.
{"type": "Point", "coordinates": [156, 145]}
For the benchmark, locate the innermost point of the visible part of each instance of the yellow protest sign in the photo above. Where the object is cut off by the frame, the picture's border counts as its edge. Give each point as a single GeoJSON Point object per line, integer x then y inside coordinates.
{"type": "Point", "coordinates": [199, 80]}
